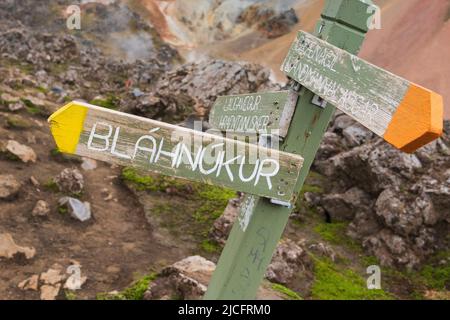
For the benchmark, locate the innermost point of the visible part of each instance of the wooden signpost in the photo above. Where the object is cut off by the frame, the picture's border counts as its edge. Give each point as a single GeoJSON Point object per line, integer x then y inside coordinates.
{"type": "Point", "coordinates": [268, 112]}
{"type": "Point", "coordinates": [406, 115]}
{"type": "Point", "coordinates": [128, 140]}
{"type": "Point", "coordinates": [260, 224]}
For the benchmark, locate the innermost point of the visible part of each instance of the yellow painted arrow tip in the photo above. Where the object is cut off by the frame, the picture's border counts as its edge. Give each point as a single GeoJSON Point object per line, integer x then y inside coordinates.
{"type": "Point", "coordinates": [417, 121]}
{"type": "Point", "coordinates": [66, 125]}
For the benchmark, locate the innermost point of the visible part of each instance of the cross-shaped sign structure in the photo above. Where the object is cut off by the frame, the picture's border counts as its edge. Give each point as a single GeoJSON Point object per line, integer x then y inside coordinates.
{"type": "Point", "coordinates": [324, 74]}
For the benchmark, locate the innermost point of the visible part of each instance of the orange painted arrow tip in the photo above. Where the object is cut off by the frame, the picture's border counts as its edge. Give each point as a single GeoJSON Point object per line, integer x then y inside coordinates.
{"type": "Point", "coordinates": [417, 121]}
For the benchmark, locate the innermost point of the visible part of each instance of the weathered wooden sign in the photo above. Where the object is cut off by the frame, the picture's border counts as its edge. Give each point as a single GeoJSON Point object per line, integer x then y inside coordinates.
{"type": "Point", "coordinates": [405, 114]}
{"type": "Point", "coordinates": [268, 112]}
{"type": "Point", "coordinates": [127, 140]}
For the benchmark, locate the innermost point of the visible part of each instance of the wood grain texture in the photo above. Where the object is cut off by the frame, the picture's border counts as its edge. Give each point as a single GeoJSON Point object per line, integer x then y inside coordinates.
{"type": "Point", "coordinates": [146, 144]}
{"type": "Point", "coordinates": [417, 121]}
{"type": "Point", "coordinates": [369, 94]}
{"type": "Point", "coordinates": [268, 112]}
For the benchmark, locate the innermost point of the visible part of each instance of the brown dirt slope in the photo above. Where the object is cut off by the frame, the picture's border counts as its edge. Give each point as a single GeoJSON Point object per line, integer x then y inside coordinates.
{"type": "Point", "coordinates": [414, 42]}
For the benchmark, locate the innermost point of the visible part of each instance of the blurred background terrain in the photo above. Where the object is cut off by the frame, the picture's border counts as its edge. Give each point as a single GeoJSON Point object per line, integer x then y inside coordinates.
{"type": "Point", "coordinates": [364, 202]}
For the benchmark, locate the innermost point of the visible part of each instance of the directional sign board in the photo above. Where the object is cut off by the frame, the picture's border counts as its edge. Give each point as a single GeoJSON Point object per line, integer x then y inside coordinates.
{"type": "Point", "coordinates": [268, 112]}
{"type": "Point", "coordinates": [404, 114]}
{"type": "Point", "coordinates": [127, 140]}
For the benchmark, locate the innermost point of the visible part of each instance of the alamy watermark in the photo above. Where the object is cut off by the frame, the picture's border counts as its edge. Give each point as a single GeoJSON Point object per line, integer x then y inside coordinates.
{"type": "Point", "coordinates": [374, 280]}
{"type": "Point", "coordinates": [374, 21]}
{"type": "Point", "coordinates": [75, 280]}
{"type": "Point", "coordinates": [73, 21]}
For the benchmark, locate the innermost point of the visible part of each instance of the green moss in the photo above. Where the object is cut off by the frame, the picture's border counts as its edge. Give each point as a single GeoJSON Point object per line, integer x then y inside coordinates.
{"type": "Point", "coordinates": [335, 234]}
{"type": "Point", "coordinates": [26, 68]}
{"type": "Point", "coordinates": [137, 289]}
{"type": "Point", "coordinates": [110, 102]}
{"type": "Point", "coordinates": [64, 157]}
{"type": "Point", "coordinates": [312, 189]}
{"type": "Point", "coordinates": [152, 182]}
{"type": "Point", "coordinates": [70, 295]}
{"type": "Point", "coordinates": [140, 182]}
{"type": "Point", "coordinates": [214, 200]}
{"type": "Point", "coordinates": [331, 232]}
{"type": "Point", "coordinates": [193, 207]}
{"type": "Point", "coordinates": [134, 292]}
{"type": "Point", "coordinates": [62, 210]}
{"type": "Point", "coordinates": [31, 107]}
{"type": "Point", "coordinates": [55, 152]}
{"type": "Point", "coordinates": [291, 295]}
{"type": "Point", "coordinates": [331, 283]}
{"type": "Point", "coordinates": [369, 261]}
{"type": "Point", "coordinates": [57, 68]}
{"type": "Point", "coordinates": [436, 275]}
{"type": "Point", "coordinates": [15, 122]}
{"type": "Point", "coordinates": [51, 186]}
{"type": "Point", "coordinates": [210, 246]}
{"type": "Point", "coordinates": [42, 89]}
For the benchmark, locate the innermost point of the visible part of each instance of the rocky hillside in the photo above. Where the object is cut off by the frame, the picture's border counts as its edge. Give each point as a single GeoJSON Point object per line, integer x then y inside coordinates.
{"type": "Point", "coordinates": [136, 235]}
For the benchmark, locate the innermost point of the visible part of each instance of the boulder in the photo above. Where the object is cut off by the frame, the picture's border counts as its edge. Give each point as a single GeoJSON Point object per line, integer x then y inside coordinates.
{"type": "Point", "coordinates": [185, 279]}
{"type": "Point", "coordinates": [331, 145]}
{"type": "Point", "coordinates": [289, 258]}
{"type": "Point", "coordinates": [391, 249]}
{"type": "Point", "coordinates": [193, 87]}
{"type": "Point", "coordinates": [222, 226]}
{"type": "Point", "coordinates": [341, 121]}
{"type": "Point", "coordinates": [405, 215]}
{"type": "Point", "coordinates": [373, 167]}
{"type": "Point", "coordinates": [189, 278]}
{"type": "Point", "coordinates": [344, 207]}
{"type": "Point", "coordinates": [356, 135]}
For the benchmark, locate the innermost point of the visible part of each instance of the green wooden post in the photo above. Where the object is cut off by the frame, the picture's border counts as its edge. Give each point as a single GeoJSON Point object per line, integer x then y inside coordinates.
{"type": "Point", "coordinates": [260, 225]}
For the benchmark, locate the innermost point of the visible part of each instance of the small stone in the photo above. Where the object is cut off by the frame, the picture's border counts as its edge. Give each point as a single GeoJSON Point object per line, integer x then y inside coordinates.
{"type": "Point", "coordinates": [23, 152]}
{"type": "Point", "coordinates": [70, 181]}
{"type": "Point", "coordinates": [9, 186]}
{"type": "Point", "coordinates": [9, 249]}
{"type": "Point", "coordinates": [77, 209]}
{"type": "Point", "coordinates": [50, 292]}
{"type": "Point", "coordinates": [113, 269]}
{"type": "Point", "coordinates": [34, 181]}
{"type": "Point", "coordinates": [88, 164]}
{"type": "Point", "coordinates": [137, 92]}
{"type": "Point", "coordinates": [52, 276]}
{"type": "Point", "coordinates": [106, 194]}
{"type": "Point", "coordinates": [31, 283]}
{"type": "Point", "coordinates": [41, 209]}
